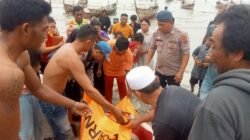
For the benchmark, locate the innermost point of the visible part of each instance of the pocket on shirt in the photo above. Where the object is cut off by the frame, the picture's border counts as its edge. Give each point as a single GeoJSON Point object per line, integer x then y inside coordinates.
{"type": "Point", "coordinates": [172, 48]}
{"type": "Point", "coordinates": [159, 45]}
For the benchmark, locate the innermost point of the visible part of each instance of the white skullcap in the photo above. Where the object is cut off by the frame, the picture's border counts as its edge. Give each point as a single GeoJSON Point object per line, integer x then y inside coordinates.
{"type": "Point", "coordinates": [140, 77]}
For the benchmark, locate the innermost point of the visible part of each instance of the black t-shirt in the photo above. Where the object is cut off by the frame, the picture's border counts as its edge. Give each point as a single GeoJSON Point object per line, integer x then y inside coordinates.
{"type": "Point", "coordinates": [174, 114]}
{"type": "Point", "coordinates": [136, 27]}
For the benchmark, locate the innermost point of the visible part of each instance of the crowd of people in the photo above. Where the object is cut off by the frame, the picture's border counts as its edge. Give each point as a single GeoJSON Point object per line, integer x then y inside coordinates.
{"type": "Point", "coordinates": [44, 75]}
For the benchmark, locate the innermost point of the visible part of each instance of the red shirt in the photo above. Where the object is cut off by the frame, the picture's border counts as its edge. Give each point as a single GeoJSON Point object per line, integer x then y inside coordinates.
{"type": "Point", "coordinates": [133, 46]}
{"type": "Point", "coordinates": [51, 41]}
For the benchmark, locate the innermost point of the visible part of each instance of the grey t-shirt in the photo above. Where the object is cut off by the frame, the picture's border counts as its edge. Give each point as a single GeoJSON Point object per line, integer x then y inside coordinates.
{"type": "Point", "coordinates": [199, 72]}
{"type": "Point", "coordinates": [174, 113]}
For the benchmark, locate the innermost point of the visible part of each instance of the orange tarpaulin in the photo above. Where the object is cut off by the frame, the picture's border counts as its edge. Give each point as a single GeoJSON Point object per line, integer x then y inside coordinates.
{"type": "Point", "coordinates": [99, 126]}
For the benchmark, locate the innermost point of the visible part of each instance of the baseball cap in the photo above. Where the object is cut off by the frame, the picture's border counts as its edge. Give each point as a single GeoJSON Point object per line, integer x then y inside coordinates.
{"type": "Point", "coordinates": [140, 77]}
{"type": "Point", "coordinates": [164, 15]}
{"type": "Point", "coordinates": [104, 48]}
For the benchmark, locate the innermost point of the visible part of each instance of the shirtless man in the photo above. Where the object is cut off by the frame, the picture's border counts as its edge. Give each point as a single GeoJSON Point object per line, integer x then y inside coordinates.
{"type": "Point", "coordinates": [66, 63]}
{"type": "Point", "coordinates": [23, 28]}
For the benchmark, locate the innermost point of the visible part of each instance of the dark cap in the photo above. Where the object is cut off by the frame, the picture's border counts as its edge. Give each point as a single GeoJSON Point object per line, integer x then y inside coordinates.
{"type": "Point", "coordinates": [164, 15]}
{"type": "Point", "coordinates": [115, 20]}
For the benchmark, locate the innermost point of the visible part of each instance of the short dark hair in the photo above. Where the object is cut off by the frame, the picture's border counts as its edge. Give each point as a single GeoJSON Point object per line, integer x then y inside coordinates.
{"type": "Point", "coordinates": [87, 31]}
{"type": "Point", "coordinates": [151, 87]}
{"type": "Point", "coordinates": [146, 20]}
{"type": "Point", "coordinates": [72, 36]}
{"type": "Point", "coordinates": [16, 12]}
{"type": "Point", "coordinates": [35, 56]}
{"type": "Point", "coordinates": [139, 37]}
{"type": "Point", "coordinates": [51, 20]}
{"type": "Point", "coordinates": [122, 44]}
{"type": "Point", "coordinates": [133, 17]}
{"type": "Point", "coordinates": [123, 14]}
{"type": "Point", "coordinates": [77, 8]}
{"type": "Point", "coordinates": [236, 33]}
{"type": "Point", "coordinates": [216, 20]}
{"type": "Point", "coordinates": [95, 22]}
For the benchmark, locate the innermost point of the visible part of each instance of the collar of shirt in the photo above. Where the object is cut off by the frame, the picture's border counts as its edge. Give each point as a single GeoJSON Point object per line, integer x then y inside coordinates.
{"type": "Point", "coordinates": [147, 33]}
{"type": "Point", "coordinates": [76, 23]}
{"type": "Point", "coordinates": [172, 31]}
{"type": "Point", "coordinates": [123, 26]}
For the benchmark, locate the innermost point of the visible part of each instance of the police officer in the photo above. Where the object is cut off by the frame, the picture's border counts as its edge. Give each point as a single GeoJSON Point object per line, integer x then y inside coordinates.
{"type": "Point", "coordinates": [172, 47]}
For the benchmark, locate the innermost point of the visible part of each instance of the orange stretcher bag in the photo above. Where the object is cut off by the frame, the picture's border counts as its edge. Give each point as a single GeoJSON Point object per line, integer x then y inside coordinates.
{"type": "Point", "coordinates": [100, 126]}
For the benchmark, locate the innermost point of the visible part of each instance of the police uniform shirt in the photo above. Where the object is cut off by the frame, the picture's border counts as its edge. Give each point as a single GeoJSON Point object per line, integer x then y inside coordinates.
{"type": "Point", "coordinates": [169, 51]}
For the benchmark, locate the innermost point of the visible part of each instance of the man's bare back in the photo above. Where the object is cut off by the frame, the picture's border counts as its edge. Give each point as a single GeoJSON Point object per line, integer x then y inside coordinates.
{"type": "Point", "coordinates": [57, 71]}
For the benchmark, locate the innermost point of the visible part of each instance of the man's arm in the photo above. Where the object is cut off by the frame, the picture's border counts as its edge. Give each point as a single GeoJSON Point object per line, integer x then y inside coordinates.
{"type": "Point", "coordinates": [146, 118]}
{"type": "Point", "coordinates": [149, 57]}
{"type": "Point", "coordinates": [128, 60]}
{"type": "Point", "coordinates": [43, 92]}
{"type": "Point", "coordinates": [77, 69]}
{"type": "Point", "coordinates": [151, 50]}
{"type": "Point", "coordinates": [184, 42]}
{"type": "Point", "coordinates": [50, 49]}
{"type": "Point", "coordinates": [184, 62]}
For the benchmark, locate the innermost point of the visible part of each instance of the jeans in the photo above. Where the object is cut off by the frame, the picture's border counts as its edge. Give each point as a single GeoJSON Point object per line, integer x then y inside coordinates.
{"type": "Point", "coordinates": [207, 84]}
{"type": "Point", "coordinates": [31, 118]}
{"type": "Point", "coordinates": [58, 120]}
